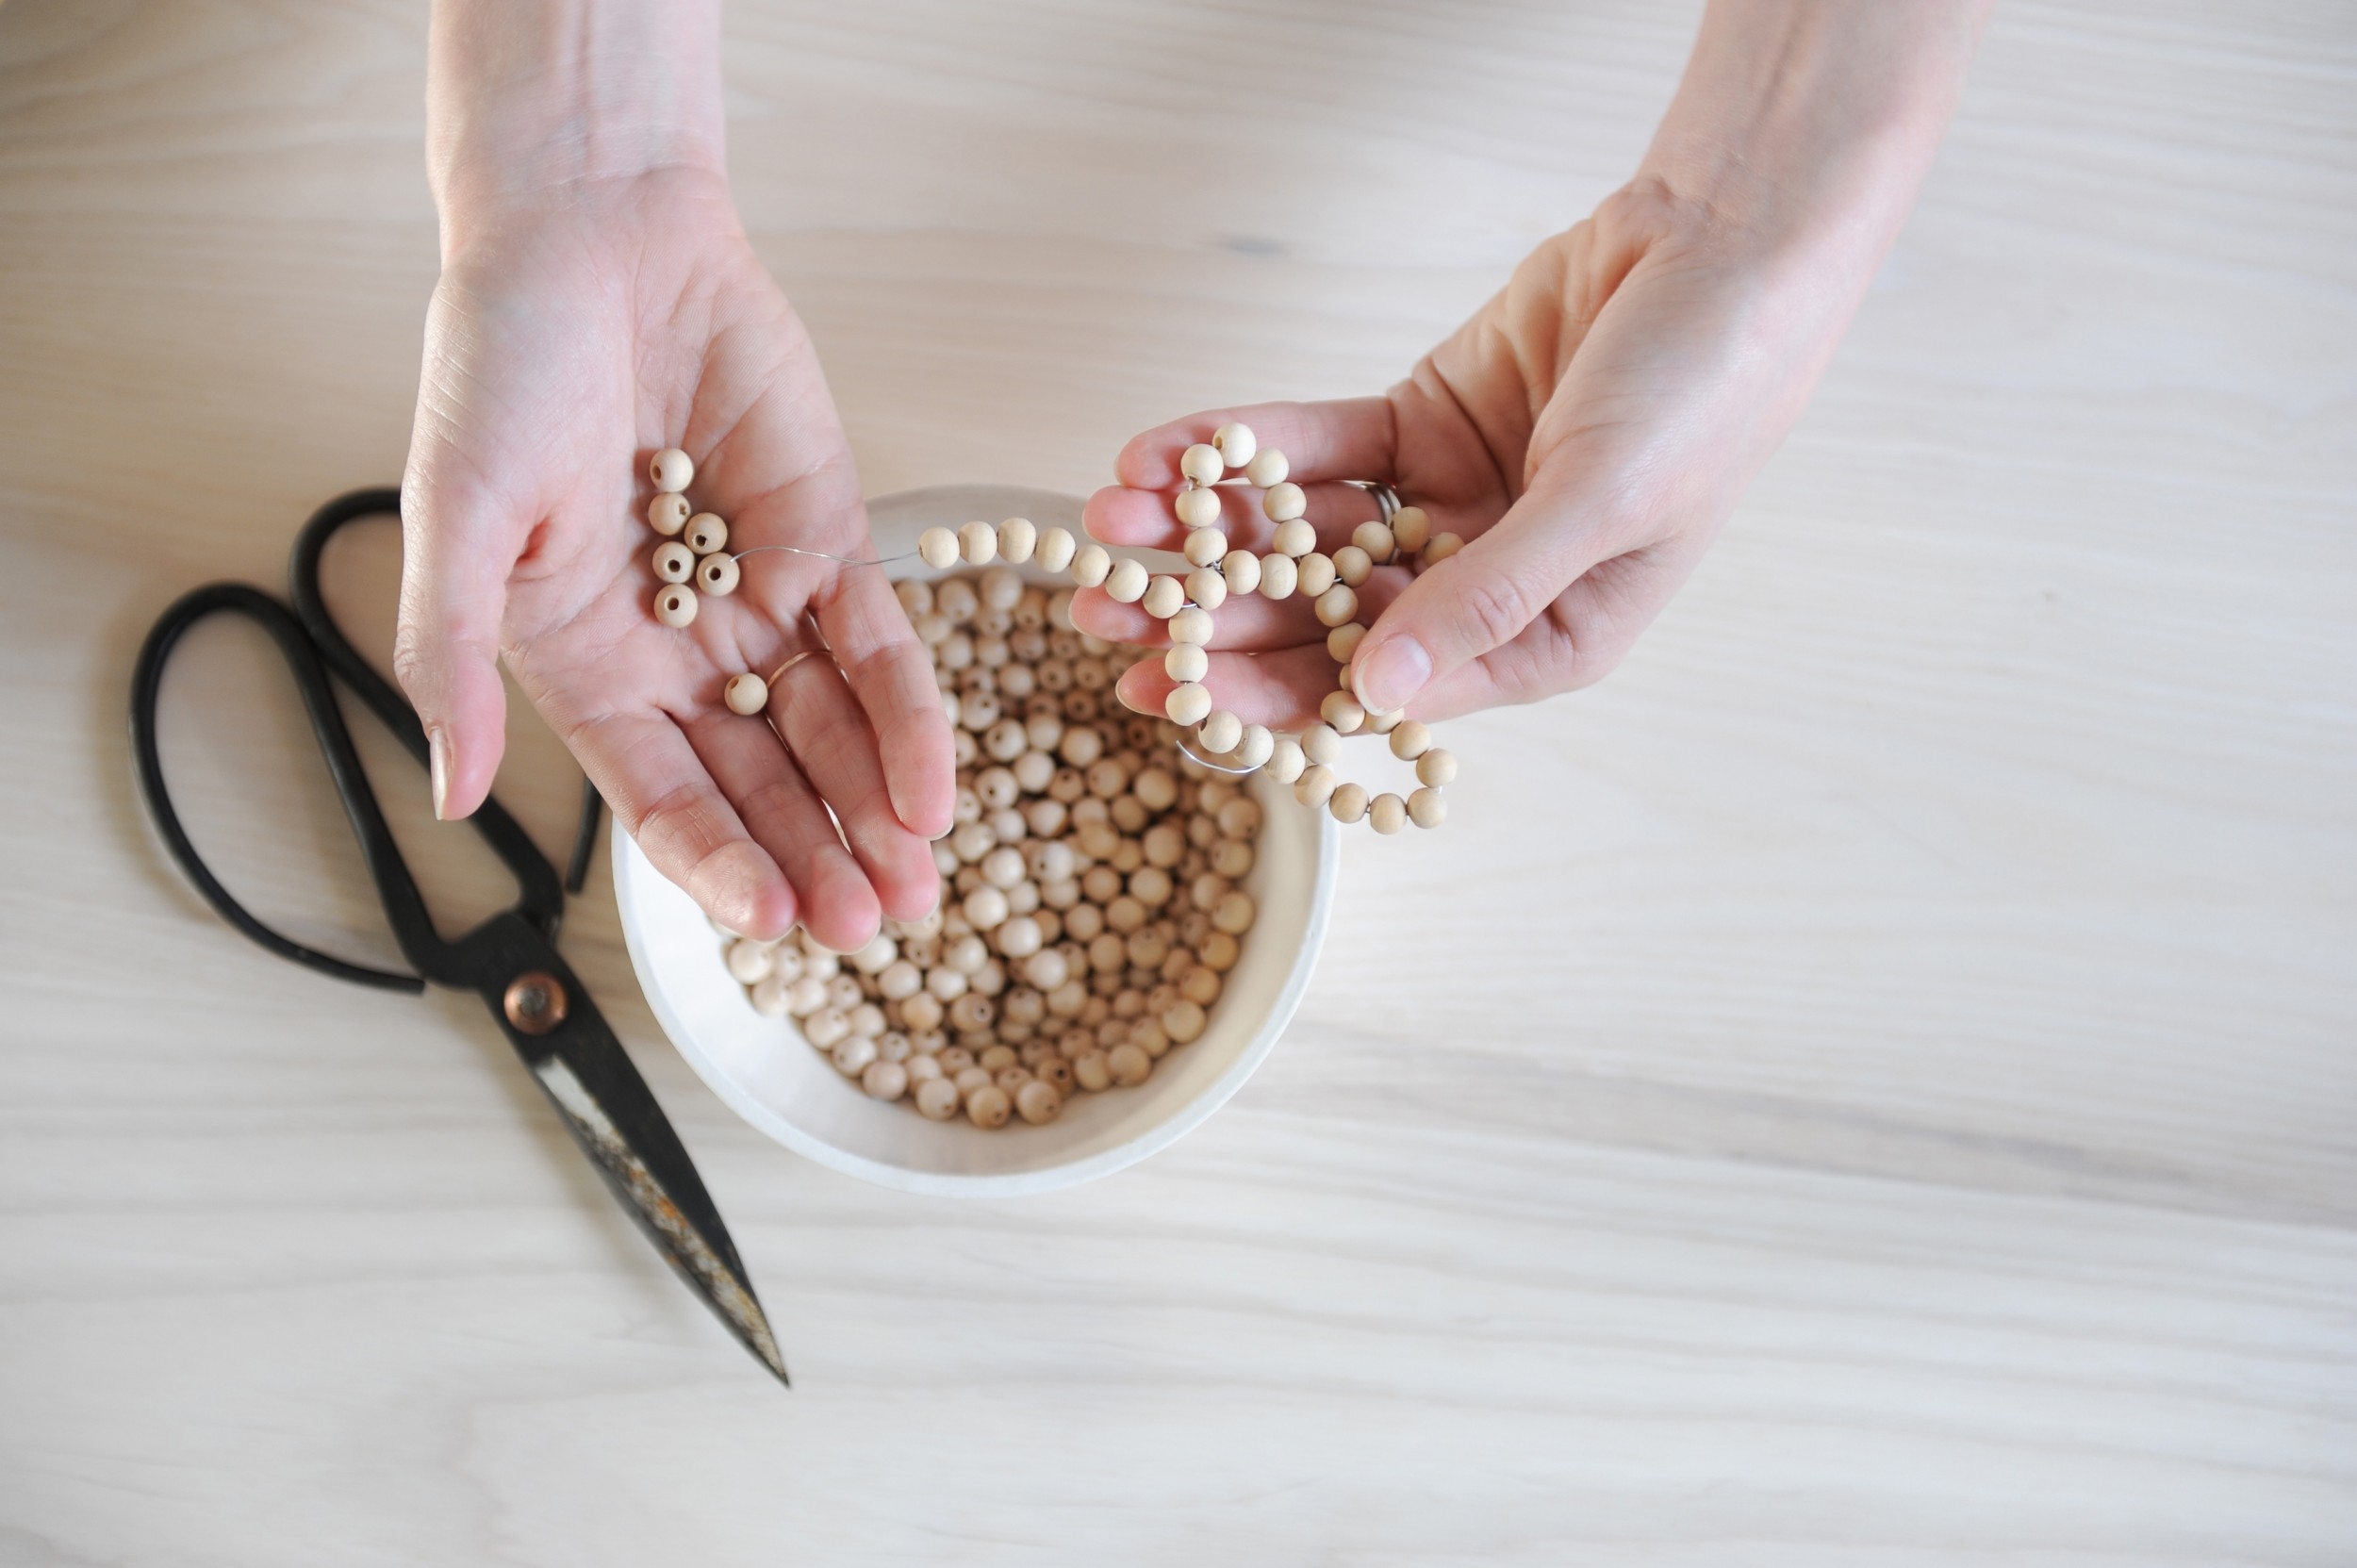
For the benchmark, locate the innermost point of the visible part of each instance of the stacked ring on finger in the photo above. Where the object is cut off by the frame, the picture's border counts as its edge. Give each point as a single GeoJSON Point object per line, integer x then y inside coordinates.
{"type": "Point", "coordinates": [1186, 605]}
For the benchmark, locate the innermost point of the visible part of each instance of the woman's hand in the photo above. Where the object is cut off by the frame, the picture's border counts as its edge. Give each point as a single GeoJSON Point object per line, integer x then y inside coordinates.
{"type": "Point", "coordinates": [583, 321]}
{"type": "Point", "coordinates": [1590, 428]}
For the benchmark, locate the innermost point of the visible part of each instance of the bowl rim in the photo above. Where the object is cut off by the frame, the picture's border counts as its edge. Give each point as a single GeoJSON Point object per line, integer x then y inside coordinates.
{"type": "Point", "coordinates": [635, 882]}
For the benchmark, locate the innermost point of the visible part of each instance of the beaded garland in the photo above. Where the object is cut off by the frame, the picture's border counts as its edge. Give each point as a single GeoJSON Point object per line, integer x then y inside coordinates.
{"type": "Point", "coordinates": [1403, 535]}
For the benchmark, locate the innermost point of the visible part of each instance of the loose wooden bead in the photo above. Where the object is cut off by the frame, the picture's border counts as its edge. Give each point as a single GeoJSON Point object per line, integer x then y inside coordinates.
{"type": "Point", "coordinates": [1341, 710]}
{"type": "Point", "coordinates": [1279, 576]}
{"type": "Point", "coordinates": [989, 1107]}
{"type": "Point", "coordinates": [1386, 813]}
{"type": "Point", "coordinates": [1267, 469]}
{"type": "Point", "coordinates": [675, 604]}
{"type": "Point", "coordinates": [1352, 565]}
{"type": "Point", "coordinates": [1018, 538]}
{"type": "Point", "coordinates": [674, 562]}
{"type": "Point", "coordinates": [667, 513]}
{"type": "Point", "coordinates": [978, 543]}
{"type": "Point", "coordinates": [1436, 767]}
{"type": "Point", "coordinates": [1375, 539]}
{"type": "Point", "coordinates": [1442, 547]}
{"type": "Point", "coordinates": [1285, 761]}
{"type": "Point", "coordinates": [1206, 588]}
{"type": "Point", "coordinates": [1183, 1021]}
{"type": "Point", "coordinates": [1202, 463]}
{"type": "Point", "coordinates": [1411, 739]}
{"type": "Point", "coordinates": [1343, 641]}
{"type": "Point", "coordinates": [1197, 509]}
{"type": "Point", "coordinates": [1348, 803]}
{"type": "Point", "coordinates": [1297, 538]}
{"type": "Point", "coordinates": [672, 470]}
{"type": "Point", "coordinates": [749, 962]}
{"type": "Point", "coordinates": [1236, 444]}
{"type": "Point", "coordinates": [1128, 1064]}
{"type": "Point", "coordinates": [1205, 546]}
{"type": "Point", "coordinates": [937, 546]}
{"type": "Point", "coordinates": [1092, 1071]}
{"type": "Point", "coordinates": [1186, 662]}
{"type": "Point", "coordinates": [1091, 564]}
{"type": "Point", "coordinates": [1427, 808]}
{"type": "Point", "coordinates": [1337, 606]}
{"type": "Point", "coordinates": [1221, 732]}
{"type": "Point", "coordinates": [748, 694]}
{"type": "Point", "coordinates": [1187, 705]}
{"type": "Point", "coordinates": [1317, 573]}
{"type": "Point", "coordinates": [885, 1081]}
{"type": "Point", "coordinates": [705, 533]}
{"type": "Point", "coordinates": [1054, 550]}
{"type": "Point", "coordinates": [1284, 503]}
{"type": "Point", "coordinates": [1038, 1101]}
{"type": "Point", "coordinates": [1001, 588]}
{"type": "Point", "coordinates": [1316, 784]}
{"type": "Point", "coordinates": [1256, 748]}
{"type": "Point", "coordinates": [718, 576]}
{"type": "Point", "coordinates": [1163, 598]}
{"type": "Point", "coordinates": [1411, 529]}
{"type": "Point", "coordinates": [1191, 624]}
{"type": "Point", "coordinates": [937, 1099]}
{"type": "Point", "coordinates": [984, 908]}
{"type": "Point", "coordinates": [1242, 569]}
{"type": "Point", "coordinates": [1236, 911]}
{"type": "Point", "coordinates": [1127, 583]}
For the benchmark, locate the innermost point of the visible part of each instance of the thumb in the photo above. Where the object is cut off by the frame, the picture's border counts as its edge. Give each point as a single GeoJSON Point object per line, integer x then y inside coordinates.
{"type": "Point", "coordinates": [1479, 598]}
{"type": "Point", "coordinates": [454, 594]}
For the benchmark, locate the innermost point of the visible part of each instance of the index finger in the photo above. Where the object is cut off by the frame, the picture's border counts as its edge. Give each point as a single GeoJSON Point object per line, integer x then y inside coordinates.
{"type": "Point", "coordinates": [892, 676]}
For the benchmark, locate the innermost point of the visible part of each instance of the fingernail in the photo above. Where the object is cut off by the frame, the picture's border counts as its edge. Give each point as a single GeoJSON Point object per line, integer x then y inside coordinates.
{"type": "Point", "coordinates": [1388, 678]}
{"type": "Point", "coordinates": [438, 765]}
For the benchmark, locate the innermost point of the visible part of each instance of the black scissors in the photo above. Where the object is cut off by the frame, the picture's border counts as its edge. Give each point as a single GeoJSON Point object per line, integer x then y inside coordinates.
{"type": "Point", "coordinates": [510, 959]}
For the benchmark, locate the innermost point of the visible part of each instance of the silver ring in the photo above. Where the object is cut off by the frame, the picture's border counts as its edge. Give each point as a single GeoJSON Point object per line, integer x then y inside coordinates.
{"type": "Point", "coordinates": [1386, 499]}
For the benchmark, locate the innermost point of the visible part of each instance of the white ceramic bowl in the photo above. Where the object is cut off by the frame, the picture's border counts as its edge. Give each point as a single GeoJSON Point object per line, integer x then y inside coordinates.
{"type": "Point", "coordinates": [768, 1075]}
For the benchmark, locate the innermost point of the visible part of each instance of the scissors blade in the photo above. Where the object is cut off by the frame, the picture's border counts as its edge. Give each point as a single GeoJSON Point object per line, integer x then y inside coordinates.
{"type": "Point", "coordinates": [615, 1119]}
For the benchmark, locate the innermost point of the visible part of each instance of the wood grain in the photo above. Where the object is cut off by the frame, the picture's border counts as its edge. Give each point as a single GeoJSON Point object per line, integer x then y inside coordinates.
{"type": "Point", "coordinates": [1872, 1082]}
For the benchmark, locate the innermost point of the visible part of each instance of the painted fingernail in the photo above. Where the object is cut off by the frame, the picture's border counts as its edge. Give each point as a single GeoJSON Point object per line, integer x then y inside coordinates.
{"type": "Point", "coordinates": [1387, 679]}
{"type": "Point", "coordinates": [437, 764]}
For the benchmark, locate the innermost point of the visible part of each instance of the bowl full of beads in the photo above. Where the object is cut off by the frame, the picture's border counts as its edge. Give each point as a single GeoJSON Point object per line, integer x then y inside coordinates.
{"type": "Point", "coordinates": [1130, 914]}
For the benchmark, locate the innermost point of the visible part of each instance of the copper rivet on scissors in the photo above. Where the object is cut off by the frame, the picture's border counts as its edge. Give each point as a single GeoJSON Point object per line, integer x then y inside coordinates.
{"type": "Point", "coordinates": [534, 1002]}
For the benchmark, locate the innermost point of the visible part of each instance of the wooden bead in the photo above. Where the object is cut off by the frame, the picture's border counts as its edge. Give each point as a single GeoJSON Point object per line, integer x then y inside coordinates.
{"type": "Point", "coordinates": [885, 1081]}
{"type": "Point", "coordinates": [1411, 739]}
{"type": "Point", "coordinates": [1206, 588]}
{"type": "Point", "coordinates": [1053, 553]}
{"type": "Point", "coordinates": [1338, 605]}
{"type": "Point", "coordinates": [1386, 813]}
{"type": "Point", "coordinates": [1316, 785]}
{"type": "Point", "coordinates": [1202, 463]}
{"type": "Point", "coordinates": [1285, 761]}
{"type": "Point", "coordinates": [1128, 1064]}
{"type": "Point", "coordinates": [1320, 743]}
{"type": "Point", "coordinates": [1256, 748]}
{"type": "Point", "coordinates": [977, 542]}
{"type": "Point", "coordinates": [1191, 624]}
{"type": "Point", "coordinates": [1296, 539]}
{"type": "Point", "coordinates": [1038, 1101]}
{"type": "Point", "coordinates": [1091, 564]}
{"type": "Point", "coordinates": [1127, 581]}
{"type": "Point", "coordinates": [1375, 539]}
{"type": "Point", "coordinates": [717, 575]}
{"type": "Point", "coordinates": [1341, 710]}
{"type": "Point", "coordinates": [1284, 501]}
{"type": "Point", "coordinates": [1000, 588]}
{"type": "Point", "coordinates": [1018, 538]}
{"type": "Point", "coordinates": [672, 470]}
{"type": "Point", "coordinates": [674, 562]}
{"type": "Point", "coordinates": [675, 604]}
{"type": "Point", "coordinates": [1343, 641]}
{"type": "Point", "coordinates": [1236, 444]}
{"type": "Point", "coordinates": [1279, 576]}
{"type": "Point", "coordinates": [1236, 911]}
{"type": "Point", "coordinates": [1197, 509]}
{"type": "Point", "coordinates": [1204, 546]}
{"type": "Point", "coordinates": [667, 513]}
{"type": "Point", "coordinates": [1411, 530]}
{"type": "Point", "coordinates": [1380, 723]}
{"type": "Point", "coordinates": [1267, 469]}
{"type": "Point", "coordinates": [989, 1106]}
{"type": "Point", "coordinates": [1317, 573]}
{"type": "Point", "coordinates": [705, 533]}
{"type": "Point", "coordinates": [1220, 732]}
{"type": "Point", "coordinates": [1436, 767]}
{"type": "Point", "coordinates": [937, 1099]}
{"type": "Point", "coordinates": [1348, 803]}
{"type": "Point", "coordinates": [746, 694]}
{"type": "Point", "coordinates": [1092, 1070]}
{"type": "Point", "coordinates": [1427, 808]}
{"type": "Point", "coordinates": [1442, 547]}
{"type": "Point", "coordinates": [937, 546]}
{"type": "Point", "coordinates": [1164, 597]}
{"type": "Point", "coordinates": [1186, 662]}
{"type": "Point", "coordinates": [1243, 570]}
{"type": "Point", "coordinates": [749, 962]}
{"type": "Point", "coordinates": [1352, 566]}
{"type": "Point", "coordinates": [1188, 705]}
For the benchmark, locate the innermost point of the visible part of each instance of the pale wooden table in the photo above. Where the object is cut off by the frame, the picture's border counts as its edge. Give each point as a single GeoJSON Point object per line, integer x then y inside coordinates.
{"type": "Point", "coordinates": [1873, 1083]}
